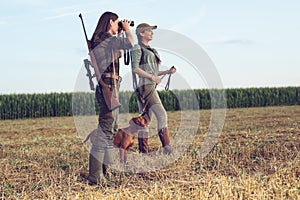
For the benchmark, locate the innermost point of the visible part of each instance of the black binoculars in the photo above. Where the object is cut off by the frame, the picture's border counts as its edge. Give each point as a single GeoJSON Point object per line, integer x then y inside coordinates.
{"type": "Point", "coordinates": [121, 25]}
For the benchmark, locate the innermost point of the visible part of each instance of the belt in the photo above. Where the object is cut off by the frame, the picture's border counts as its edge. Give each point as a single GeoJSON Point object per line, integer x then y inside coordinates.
{"type": "Point", "coordinates": [111, 75]}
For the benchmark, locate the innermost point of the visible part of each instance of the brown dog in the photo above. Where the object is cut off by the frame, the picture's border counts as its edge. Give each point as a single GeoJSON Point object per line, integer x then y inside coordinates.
{"type": "Point", "coordinates": [124, 138]}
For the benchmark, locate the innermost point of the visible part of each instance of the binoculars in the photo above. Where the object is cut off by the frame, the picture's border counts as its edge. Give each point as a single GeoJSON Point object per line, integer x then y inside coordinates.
{"type": "Point", "coordinates": [121, 26]}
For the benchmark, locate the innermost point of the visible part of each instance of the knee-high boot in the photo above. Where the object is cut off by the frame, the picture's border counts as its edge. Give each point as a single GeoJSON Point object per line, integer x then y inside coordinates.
{"type": "Point", "coordinates": [165, 140]}
{"type": "Point", "coordinates": [108, 159]}
{"type": "Point", "coordinates": [143, 141]}
{"type": "Point", "coordinates": [95, 168]}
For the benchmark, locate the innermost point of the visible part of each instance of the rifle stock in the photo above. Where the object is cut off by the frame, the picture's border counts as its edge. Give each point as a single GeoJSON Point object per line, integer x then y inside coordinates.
{"type": "Point", "coordinates": [110, 97]}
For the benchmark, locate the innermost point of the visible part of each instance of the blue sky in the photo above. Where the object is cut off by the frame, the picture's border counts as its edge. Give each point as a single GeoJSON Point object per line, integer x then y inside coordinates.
{"type": "Point", "coordinates": [252, 43]}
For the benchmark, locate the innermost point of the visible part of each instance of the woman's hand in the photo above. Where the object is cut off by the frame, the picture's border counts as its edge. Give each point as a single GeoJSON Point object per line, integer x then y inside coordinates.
{"type": "Point", "coordinates": [126, 29]}
{"type": "Point", "coordinates": [172, 70]}
{"type": "Point", "coordinates": [126, 25]}
{"type": "Point", "coordinates": [156, 79]}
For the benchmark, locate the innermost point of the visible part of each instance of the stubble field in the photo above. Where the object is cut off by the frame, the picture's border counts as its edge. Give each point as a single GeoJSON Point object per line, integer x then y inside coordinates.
{"type": "Point", "coordinates": [256, 157]}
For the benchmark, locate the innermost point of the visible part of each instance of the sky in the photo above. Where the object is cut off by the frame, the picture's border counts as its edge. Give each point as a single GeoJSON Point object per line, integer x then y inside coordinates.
{"type": "Point", "coordinates": [251, 43]}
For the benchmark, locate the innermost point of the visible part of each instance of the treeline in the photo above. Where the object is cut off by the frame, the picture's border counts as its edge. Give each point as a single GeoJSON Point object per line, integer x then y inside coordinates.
{"type": "Point", "coordinates": [19, 106]}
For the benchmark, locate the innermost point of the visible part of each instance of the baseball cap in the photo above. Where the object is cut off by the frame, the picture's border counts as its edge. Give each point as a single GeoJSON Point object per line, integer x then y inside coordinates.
{"type": "Point", "coordinates": [142, 27]}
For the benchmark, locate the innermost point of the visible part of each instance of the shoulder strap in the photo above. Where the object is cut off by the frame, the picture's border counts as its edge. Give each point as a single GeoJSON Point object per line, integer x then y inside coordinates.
{"type": "Point", "coordinates": [135, 85]}
{"type": "Point", "coordinates": [141, 63]}
{"type": "Point", "coordinates": [142, 57]}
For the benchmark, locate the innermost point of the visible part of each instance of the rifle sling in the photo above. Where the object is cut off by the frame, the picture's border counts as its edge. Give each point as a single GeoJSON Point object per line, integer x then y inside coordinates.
{"type": "Point", "coordinates": [113, 68]}
{"type": "Point", "coordinates": [113, 76]}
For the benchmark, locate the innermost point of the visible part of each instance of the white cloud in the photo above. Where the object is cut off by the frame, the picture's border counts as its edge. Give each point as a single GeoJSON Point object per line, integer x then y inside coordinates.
{"type": "Point", "coordinates": [187, 23]}
{"type": "Point", "coordinates": [32, 2]}
{"type": "Point", "coordinates": [232, 41]}
{"type": "Point", "coordinates": [28, 2]}
{"type": "Point", "coordinates": [238, 42]}
{"type": "Point", "coordinates": [95, 7]}
{"type": "Point", "coordinates": [2, 22]}
{"type": "Point", "coordinates": [60, 16]}
{"type": "Point", "coordinates": [60, 12]}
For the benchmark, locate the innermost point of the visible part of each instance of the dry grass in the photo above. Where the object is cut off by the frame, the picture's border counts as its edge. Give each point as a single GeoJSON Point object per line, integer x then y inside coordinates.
{"type": "Point", "coordinates": [256, 157]}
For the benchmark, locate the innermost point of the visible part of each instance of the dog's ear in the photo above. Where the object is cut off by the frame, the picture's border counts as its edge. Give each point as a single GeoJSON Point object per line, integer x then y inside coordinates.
{"type": "Point", "coordinates": [144, 121]}
{"type": "Point", "coordinates": [140, 121]}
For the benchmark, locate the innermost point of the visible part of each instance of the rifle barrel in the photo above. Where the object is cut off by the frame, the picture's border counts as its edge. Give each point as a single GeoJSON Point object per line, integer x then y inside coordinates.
{"type": "Point", "coordinates": [86, 38]}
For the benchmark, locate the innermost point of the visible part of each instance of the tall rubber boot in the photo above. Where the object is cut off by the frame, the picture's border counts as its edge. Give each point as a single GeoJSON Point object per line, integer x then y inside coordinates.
{"type": "Point", "coordinates": [95, 169]}
{"type": "Point", "coordinates": [108, 159]}
{"type": "Point", "coordinates": [165, 140]}
{"type": "Point", "coordinates": [143, 142]}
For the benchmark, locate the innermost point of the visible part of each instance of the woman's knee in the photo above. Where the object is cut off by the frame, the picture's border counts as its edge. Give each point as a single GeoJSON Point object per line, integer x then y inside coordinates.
{"type": "Point", "coordinates": [161, 115]}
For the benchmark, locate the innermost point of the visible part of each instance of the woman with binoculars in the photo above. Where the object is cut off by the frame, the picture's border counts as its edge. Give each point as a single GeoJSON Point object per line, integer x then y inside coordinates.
{"type": "Point", "coordinates": [106, 47]}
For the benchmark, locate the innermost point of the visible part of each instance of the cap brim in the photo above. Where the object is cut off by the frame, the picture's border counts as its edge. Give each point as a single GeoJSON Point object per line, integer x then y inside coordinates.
{"type": "Point", "coordinates": [153, 27]}
{"type": "Point", "coordinates": [149, 27]}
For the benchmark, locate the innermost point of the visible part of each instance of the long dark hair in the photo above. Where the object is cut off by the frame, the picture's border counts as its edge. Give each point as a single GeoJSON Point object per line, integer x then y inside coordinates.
{"type": "Point", "coordinates": [104, 22]}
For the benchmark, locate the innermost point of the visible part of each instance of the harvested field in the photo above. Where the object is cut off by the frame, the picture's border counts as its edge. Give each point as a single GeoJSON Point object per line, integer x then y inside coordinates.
{"type": "Point", "coordinates": [256, 157]}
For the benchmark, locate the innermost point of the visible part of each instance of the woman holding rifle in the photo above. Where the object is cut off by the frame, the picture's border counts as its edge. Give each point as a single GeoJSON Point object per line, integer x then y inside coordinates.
{"type": "Point", "coordinates": [106, 50]}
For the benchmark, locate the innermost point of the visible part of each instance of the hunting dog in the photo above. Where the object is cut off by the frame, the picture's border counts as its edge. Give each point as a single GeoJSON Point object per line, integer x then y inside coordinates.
{"type": "Point", "coordinates": [124, 138]}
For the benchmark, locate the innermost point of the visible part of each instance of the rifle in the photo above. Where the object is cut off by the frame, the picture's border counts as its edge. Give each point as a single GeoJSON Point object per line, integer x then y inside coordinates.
{"type": "Point", "coordinates": [87, 65]}
{"type": "Point", "coordinates": [110, 98]}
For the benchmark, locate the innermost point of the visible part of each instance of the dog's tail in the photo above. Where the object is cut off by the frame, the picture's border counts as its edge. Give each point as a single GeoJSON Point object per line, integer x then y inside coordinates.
{"type": "Point", "coordinates": [87, 138]}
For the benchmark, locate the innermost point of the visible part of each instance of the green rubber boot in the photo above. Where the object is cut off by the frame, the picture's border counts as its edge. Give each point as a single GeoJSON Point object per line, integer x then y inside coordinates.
{"type": "Point", "coordinates": [108, 160]}
{"type": "Point", "coordinates": [96, 176]}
